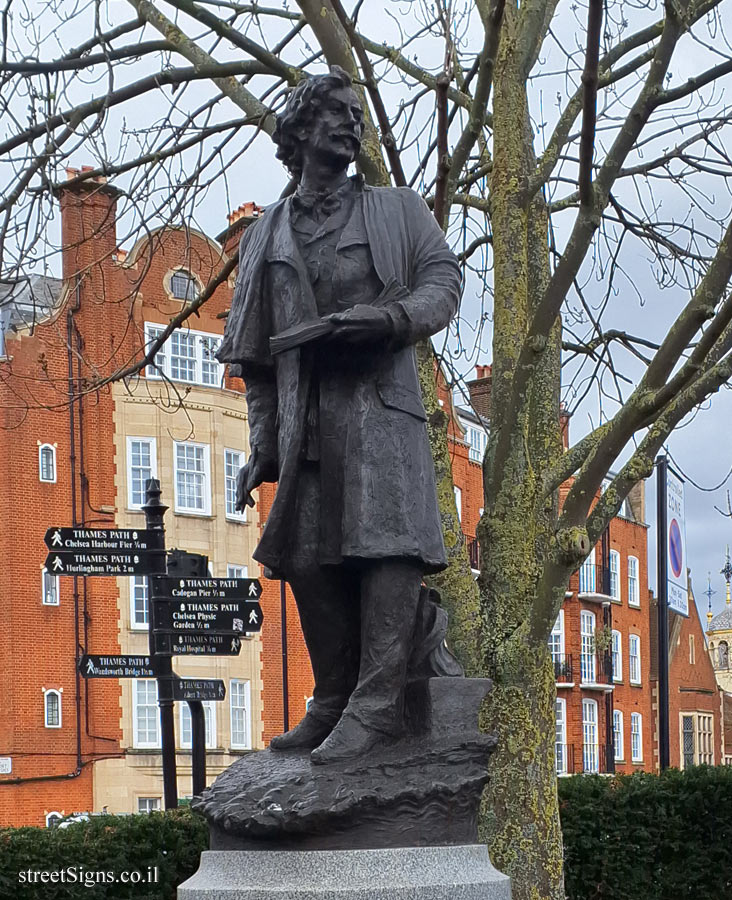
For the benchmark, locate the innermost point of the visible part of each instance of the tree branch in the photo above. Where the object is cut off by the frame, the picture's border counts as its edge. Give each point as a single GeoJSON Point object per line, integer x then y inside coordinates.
{"type": "Point", "coordinates": [589, 101]}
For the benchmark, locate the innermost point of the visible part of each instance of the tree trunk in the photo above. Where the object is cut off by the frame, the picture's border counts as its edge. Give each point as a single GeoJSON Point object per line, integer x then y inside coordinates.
{"type": "Point", "coordinates": [520, 819]}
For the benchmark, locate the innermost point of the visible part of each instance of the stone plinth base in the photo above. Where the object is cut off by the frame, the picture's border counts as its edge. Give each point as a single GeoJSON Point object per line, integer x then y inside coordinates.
{"type": "Point", "coordinates": [461, 872]}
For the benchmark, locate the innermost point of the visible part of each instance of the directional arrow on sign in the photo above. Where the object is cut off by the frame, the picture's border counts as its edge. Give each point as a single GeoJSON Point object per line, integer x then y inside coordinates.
{"type": "Point", "coordinates": [200, 589]}
{"type": "Point", "coordinates": [96, 666]}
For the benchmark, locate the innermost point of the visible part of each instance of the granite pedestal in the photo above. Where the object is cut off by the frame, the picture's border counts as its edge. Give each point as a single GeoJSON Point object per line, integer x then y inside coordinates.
{"type": "Point", "coordinates": [459, 872]}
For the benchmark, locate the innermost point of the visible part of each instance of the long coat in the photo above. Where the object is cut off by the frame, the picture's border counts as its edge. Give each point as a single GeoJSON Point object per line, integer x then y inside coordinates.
{"type": "Point", "coordinates": [389, 503]}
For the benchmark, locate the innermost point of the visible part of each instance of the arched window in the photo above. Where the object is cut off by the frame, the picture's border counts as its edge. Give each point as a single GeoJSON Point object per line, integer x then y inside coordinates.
{"type": "Point", "coordinates": [183, 286]}
{"type": "Point", "coordinates": [47, 463]}
{"type": "Point", "coordinates": [52, 706]}
{"type": "Point", "coordinates": [53, 818]}
{"type": "Point", "coordinates": [723, 655]}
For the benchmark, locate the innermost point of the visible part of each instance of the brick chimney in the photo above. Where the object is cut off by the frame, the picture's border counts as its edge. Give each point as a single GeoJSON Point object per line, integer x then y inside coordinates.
{"type": "Point", "coordinates": [480, 391]}
{"type": "Point", "coordinates": [239, 220]}
{"type": "Point", "coordinates": [88, 222]}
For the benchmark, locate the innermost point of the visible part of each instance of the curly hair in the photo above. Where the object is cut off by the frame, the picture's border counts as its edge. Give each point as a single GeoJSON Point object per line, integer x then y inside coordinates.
{"type": "Point", "coordinates": [301, 110]}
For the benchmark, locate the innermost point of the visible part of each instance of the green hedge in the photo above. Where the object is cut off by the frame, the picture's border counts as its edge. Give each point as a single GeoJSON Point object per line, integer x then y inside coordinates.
{"type": "Point", "coordinates": [171, 841]}
{"type": "Point", "coordinates": [648, 837]}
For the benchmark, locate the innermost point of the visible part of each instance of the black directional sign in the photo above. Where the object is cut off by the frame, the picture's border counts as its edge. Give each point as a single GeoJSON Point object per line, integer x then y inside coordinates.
{"type": "Point", "coordinates": [93, 666]}
{"type": "Point", "coordinates": [92, 540]}
{"type": "Point", "coordinates": [105, 563]}
{"type": "Point", "coordinates": [198, 689]}
{"type": "Point", "coordinates": [210, 615]}
{"type": "Point", "coordinates": [198, 644]}
{"type": "Point", "coordinates": [176, 588]}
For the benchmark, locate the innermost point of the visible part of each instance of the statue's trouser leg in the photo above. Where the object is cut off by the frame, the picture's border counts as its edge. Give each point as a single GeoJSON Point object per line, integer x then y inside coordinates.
{"type": "Point", "coordinates": [328, 605]}
{"type": "Point", "coordinates": [389, 598]}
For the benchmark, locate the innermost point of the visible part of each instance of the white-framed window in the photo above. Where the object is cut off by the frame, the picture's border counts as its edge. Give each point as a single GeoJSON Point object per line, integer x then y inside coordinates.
{"type": "Point", "coordinates": [187, 356]}
{"type": "Point", "coordinates": [556, 639]}
{"type": "Point", "coordinates": [186, 726]}
{"type": "Point", "coordinates": [459, 503]}
{"type": "Point", "coordinates": [148, 804]}
{"type": "Point", "coordinates": [587, 579]}
{"type": "Point", "coordinates": [590, 746]}
{"type": "Point", "coordinates": [52, 709]}
{"type": "Point", "coordinates": [634, 659]}
{"type": "Point", "coordinates": [53, 818]}
{"type": "Point", "coordinates": [633, 581]}
{"type": "Point", "coordinates": [139, 607]}
{"type": "Point", "coordinates": [192, 467]}
{"type": "Point", "coordinates": [560, 740]}
{"type": "Point", "coordinates": [617, 656]}
{"type": "Point", "coordinates": [240, 710]}
{"type": "Point", "coordinates": [636, 737]}
{"type": "Point", "coordinates": [145, 718]}
{"type": "Point", "coordinates": [233, 461]}
{"type": "Point", "coordinates": [47, 463]}
{"type": "Point", "coordinates": [477, 440]}
{"type": "Point", "coordinates": [50, 595]}
{"type": "Point", "coordinates": [587, 646]}
{"type": "Point", "coordinates": [615, 575]}
{"type": "Point", "coordinates": [697, 739]}
{"type": "Point", "coordinates": [183, 285]}
{"type": "Point", "coordinates": [235, 571]}
{"type": "Point", "coordinates": [142, 465]}
{"type": "Point", "coordinates": [618, 740]}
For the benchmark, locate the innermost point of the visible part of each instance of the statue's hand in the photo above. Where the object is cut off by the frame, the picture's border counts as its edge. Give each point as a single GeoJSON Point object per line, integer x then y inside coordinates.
{"type": "Point", "coordinates": [252, 474]}
{"type": "Point", "coordinates": [362, 324]}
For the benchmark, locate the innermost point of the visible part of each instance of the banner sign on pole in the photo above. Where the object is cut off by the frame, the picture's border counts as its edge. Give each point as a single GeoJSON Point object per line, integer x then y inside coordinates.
{"type": "Point", "coordinates": [678, 592]}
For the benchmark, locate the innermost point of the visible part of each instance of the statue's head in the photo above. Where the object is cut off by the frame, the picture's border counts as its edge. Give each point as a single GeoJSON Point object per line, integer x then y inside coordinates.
{"type": "Point", "coordinates": [323, 117]}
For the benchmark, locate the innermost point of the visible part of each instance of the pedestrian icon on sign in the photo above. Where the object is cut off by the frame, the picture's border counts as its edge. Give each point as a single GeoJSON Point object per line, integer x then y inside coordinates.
{"type": "Point", "coordinates": [253, 617]}
{"type": "Point", "coordinates": [56, 540]}
{"type": "Point", "coordinates": [253, 590]}
{"type": "Point", "coordinates": [57, 564]}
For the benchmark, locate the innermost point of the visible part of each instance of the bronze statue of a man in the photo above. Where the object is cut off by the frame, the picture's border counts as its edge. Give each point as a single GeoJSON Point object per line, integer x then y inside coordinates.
{"type": "Point", "coordinates": [336, 285]}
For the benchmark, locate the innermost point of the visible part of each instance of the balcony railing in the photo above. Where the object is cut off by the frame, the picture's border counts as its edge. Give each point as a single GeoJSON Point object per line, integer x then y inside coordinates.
{"type": "Point", "coordinates": [563, 668]}
{"type": "Point", "coordinates": [596, 668]}
{"type": "Point", "coordinates": [586, 758]}
{"type": "Point", "coordinates": [594, 579]}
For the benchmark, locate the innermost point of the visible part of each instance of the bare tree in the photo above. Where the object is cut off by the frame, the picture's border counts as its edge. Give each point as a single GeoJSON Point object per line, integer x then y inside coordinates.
{"type": "Point", "coordinates": [567, 215]}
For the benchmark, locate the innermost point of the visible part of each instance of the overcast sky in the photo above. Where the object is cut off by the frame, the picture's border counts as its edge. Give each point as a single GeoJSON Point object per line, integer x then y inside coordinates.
{"type": "Point", "coordinates": [702, 449]}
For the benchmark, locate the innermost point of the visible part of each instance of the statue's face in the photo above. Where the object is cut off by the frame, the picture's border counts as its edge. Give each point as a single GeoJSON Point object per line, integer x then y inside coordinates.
{"type": "Point", "coordinates": [335, 134]}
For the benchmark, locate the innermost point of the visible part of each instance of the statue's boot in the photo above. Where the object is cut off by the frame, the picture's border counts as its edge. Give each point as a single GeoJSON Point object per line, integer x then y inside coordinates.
{"type": "Point", "coordinates": [375, 712]}
{"type": "Point", "coordinates": [310, 732]}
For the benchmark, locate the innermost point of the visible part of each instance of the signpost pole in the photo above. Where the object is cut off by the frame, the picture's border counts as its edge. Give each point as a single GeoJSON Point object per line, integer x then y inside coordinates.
{"type": "Point", "coordinates": [662, 589]}
{"type": "Point", "coordinates": [154, 515]}
{"type": "Point", "coordinates": [198, 745]}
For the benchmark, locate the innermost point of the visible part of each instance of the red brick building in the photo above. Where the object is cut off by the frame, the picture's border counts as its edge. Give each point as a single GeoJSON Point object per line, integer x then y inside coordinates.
{"type": "Point", "coordinates": [77, 455]}
{"type": "Point", "coordinates": [601, 640]}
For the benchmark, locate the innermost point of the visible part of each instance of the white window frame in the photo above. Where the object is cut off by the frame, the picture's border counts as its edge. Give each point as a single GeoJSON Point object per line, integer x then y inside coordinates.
{"type": "Point", "coordinates": [477, 442]}
{"type": "Point", "coordinates": [186, 725]}
{"type": "Point", "coordinates": [633, 581]}
{"type": "Point", "coordinates": [704, 748]}
{"type": "Point", "coordinates": [45, 574]}
{"type": "Point", "coordinates": [41, 448]}
{"type": "Point", "coordinates": [560, 736]}
{"type": "Point", "coordinates": [614, 567]}
{"type": "Point", "coordinates": [616, 652]}
{"type": "Point", "coordinates": [588, 655]}
{"type": "Point", "coordinates": [588, 575]}
{"type": "Point", "coordinates": [162, 365]}
{"type": "Point", "coordinates": [590, 728]}
{"type": "Point", "coordinates": [234, 570]}
{"type": "Point", "coordinates": [556, 639]}
{"type": "Point", "coordinates": [52, 692]}
{"type": "Point", "coordinates": [234, 515]}
{"type": "Point", "coordinates": [134, 622]}
{"type": "Point", "coordinates": [458, 502]}
{"type": "Point", "coordinates": [636, 737]}
{"type": "Point", "coordinates": [193, 511]}
{"type": "Point", "coordinates": [618, 744]}
{"type": "Point", "coordinates": [191, 278]}
{"type": "Point", "coordinates": [151, 804]}
{"type": "Point", "coordinates": [136, 740]}
{"type": "Point", "coordinates": [246, 744]}
{"type": "Point", "coordinates": [634, 643]}
{"type": "Point", "coordinates": [53, 818]}
{"type": "Point", "coordinates": [153, 448]}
